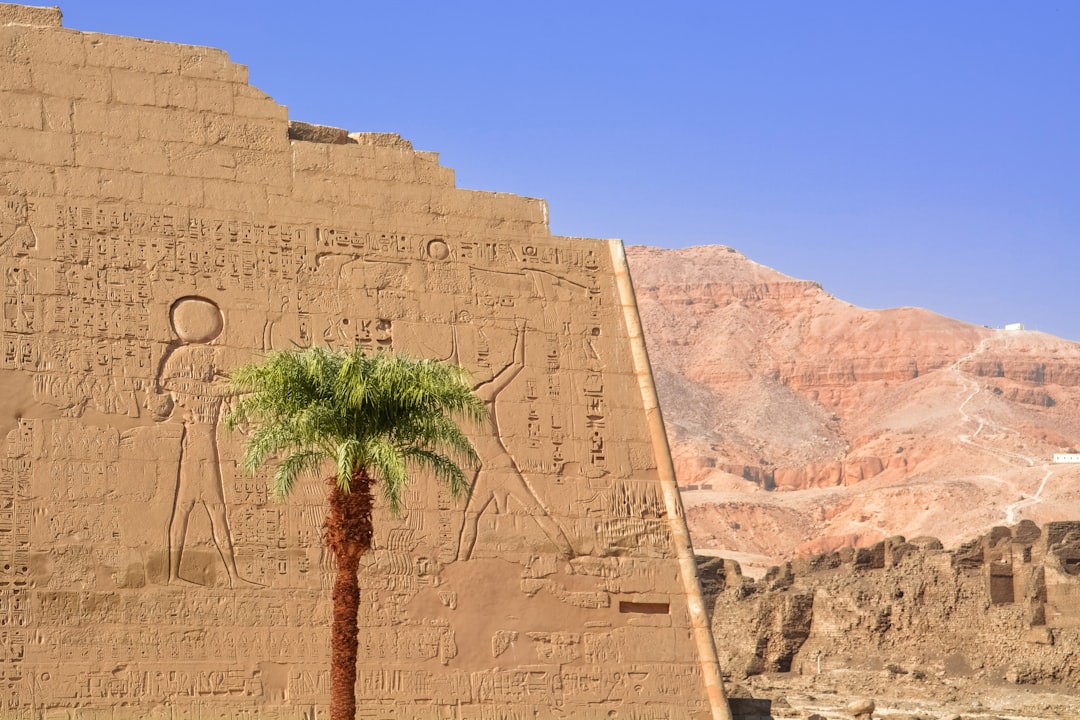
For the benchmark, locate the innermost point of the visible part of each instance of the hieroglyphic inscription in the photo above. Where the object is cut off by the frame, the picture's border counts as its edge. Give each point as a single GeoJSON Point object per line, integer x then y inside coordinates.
{"type": "Point", "coordinates": [138, 365]}
{"type": "Point", "coordinates": [15, 521]}
{"type": "Point", "coordinates": [546, 477]}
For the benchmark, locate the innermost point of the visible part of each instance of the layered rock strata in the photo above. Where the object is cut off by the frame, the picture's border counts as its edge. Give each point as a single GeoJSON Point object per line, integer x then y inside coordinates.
{"type": "Point", "coordinates": [872, 422]}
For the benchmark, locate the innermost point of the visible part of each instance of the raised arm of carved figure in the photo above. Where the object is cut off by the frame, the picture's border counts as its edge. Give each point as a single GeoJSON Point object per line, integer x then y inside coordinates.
{"type": "Point", "coordinates": [489, 390]}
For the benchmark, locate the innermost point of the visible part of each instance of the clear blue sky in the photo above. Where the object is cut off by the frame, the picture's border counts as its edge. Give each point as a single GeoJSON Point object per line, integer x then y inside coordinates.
{"type": "Point", "coordinates": [901, 152]}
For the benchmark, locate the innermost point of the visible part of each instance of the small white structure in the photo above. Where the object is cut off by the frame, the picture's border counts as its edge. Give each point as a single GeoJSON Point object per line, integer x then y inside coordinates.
{"type": "Point", "coordinates": [1014, 327]}
{"type": "Point", "coordinates": [1067, 457]}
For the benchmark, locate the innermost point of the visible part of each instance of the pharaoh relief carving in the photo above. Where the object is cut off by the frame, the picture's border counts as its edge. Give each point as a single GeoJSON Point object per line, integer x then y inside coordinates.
{"type": "Point", "coordinates": [499, 478]}
{"type": "Point", "coordinates": [195, 384]}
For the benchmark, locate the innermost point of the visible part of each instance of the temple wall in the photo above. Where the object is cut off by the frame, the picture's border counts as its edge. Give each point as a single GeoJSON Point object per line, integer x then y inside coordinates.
{"type": "Point", "coordinates": [160, 224]}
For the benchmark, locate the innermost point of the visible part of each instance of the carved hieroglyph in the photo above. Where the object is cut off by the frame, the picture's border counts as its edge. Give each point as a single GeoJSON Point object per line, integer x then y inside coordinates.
{"type": "Point", "coordinates": [158, 226]}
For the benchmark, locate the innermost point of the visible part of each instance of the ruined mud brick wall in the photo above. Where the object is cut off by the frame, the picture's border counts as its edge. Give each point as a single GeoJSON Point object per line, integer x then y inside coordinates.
{"type": "Point", "coordinates": [162, 222]}
{"type": "Point", "coordinates": [1001, 607]}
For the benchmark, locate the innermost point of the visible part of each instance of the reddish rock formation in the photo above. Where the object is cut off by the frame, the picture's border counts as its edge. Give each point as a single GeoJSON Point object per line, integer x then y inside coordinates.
{"type": "Point", "coordinates": [866, 423]}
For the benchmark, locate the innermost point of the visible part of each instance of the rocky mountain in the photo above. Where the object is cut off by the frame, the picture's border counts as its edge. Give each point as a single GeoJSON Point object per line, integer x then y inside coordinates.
{"type": "Point", "coordinates": [800, 423]}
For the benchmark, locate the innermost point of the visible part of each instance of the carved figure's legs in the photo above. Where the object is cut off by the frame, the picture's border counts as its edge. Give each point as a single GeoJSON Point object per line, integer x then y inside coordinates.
{"type": "Point", "coordinates": [551, 528]}
{"type": "Point", "coordinates": [199, 479]}
{"type": "Point", "coordinates": [219, 525]}
{"type": "Point", "coordinates": [478, 502]}
{"type": "Point", "coordinates": [510, 483]}
{"type": "Point", "coordinates": [555, 534]}
{"type": "Point", "coordinates": [183, 503]}
{"type": "Point", "coordinates": [177, 531]}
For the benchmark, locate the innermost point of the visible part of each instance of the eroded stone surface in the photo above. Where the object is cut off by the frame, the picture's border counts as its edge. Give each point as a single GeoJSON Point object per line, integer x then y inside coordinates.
{"type": "Point", "coordinates": [999, 608]}
{"type": "Point", "coordinates": [157, 228]}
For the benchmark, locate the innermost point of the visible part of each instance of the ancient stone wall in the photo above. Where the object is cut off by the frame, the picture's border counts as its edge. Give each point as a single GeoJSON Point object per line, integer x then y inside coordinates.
{"type": "Point", "coordinates": [160, 223]}
{"type": "Point", "coordinates": [1002, 607]}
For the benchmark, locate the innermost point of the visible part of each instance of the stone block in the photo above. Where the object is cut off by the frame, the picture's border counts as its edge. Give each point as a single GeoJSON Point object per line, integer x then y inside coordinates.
{"type": "Point", "coordinates": [354, 216]}
{"type": "Point", "coordinates": [308, 132]}
{"type": "Point", "coordinates": [39, 45]}
{"type": "Point", "coordinates": [118, 154]}
{"type": "Point", "coordinates": [197, 160]}
{"type": "Point", "coordinates": [57, 114]}
{"type": "Point", "coordinates": [21, 178]}
{"type": "Point", "coordinates": [250, 133]}
{"type": "Point", "coordinates": [378, 139]}
{"type": "Point", "coordinates": [172, 125]}
{"type": "Point", "coordinates": [214, 96]}
{"type": "Point", "coordinates": [94, 118]}
{"type": "Point", "coordinates": [130, 53]}
{"type": "Point", "coordinates": [320, 188]}
{"type": "Point", "coordinates": [119, 187]}
{"type": "Point", "coordinates": [1039, 636]}
{"type": "Point", "coordinates": [172, 91]}
{"type": "Point", "coordinates": [235, 196]}
{"type": "Point", "coordinates": [20, 110]}
{"type": "Point", "coordinates": [173, 190]}
{"type": "Point", "coordinates": [133, 88]}
{"type": "Point", "coordinates": [14, 76]}
{"type": "Point", "coordinates": [78, 83]}
{"type": "Point", "coordinates": [259, 107]}
{"type": "Point", "coordinates": [281, 203]}
{"type": "Point", "coordinates": [13, 14]}
{"type": "Point", "coordinates": [353, 161]}
{"type": "Point", "coordinates": [272, 169]}
{"type": "Point", "coordinates": [36, 146]}
{"type": "Point", "coordinates": [861, 707]}
{"type": "Point", "coordinates": [206, 63]}
{"type": "Point", "coordinates": [394, 164]}
{"type": "Point", "coordinates": [100, 185]}
{"type": "Point", "coordinates": [310, 157]}
{"type": "Point", "coordinates": [434, 174]}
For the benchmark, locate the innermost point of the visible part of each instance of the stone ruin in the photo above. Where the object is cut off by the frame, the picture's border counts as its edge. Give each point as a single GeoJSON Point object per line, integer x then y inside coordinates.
{"type": "Point", "coordinates": [1004, 607]}
{"type": "Point", "coordinates": [162, 221]}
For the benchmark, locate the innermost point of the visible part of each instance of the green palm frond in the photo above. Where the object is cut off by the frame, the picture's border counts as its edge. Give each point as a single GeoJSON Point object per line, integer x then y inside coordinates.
{"type": "Point", "coordinates": [442, 468]}
{"type": "Point", "coordinates": [383, 413]}
{"type": "Point", "coordinates": [291, 467]}
{"type": "Point", "coordinates": [387, 465]}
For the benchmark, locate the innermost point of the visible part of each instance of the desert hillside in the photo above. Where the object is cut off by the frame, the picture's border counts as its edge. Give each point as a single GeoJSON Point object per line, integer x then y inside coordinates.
{"type": "Point", "coordinates": [800, 423]}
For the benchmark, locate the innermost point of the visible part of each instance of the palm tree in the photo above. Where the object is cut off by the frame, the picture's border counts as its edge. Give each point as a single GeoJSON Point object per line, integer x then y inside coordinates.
{"type": "Point", "coordinates": [374, 417]}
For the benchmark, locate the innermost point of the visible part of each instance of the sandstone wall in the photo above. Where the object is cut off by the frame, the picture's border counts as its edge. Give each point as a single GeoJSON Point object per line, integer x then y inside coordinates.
{"type": "Point", "coordinates": [161, 222]}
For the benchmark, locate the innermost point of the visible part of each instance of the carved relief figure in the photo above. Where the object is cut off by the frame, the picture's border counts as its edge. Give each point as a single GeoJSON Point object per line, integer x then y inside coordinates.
{"type": "Point", "coordinates": [499, 477]}
{"type": "Point", "coordinates": [196, 388]}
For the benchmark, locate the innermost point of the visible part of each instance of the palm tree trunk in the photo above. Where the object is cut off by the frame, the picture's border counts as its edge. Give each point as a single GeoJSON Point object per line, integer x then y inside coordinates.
{"type": "Point", "coordinates": [343, 641]}
{"type": "Point", "coordinates": [348, 537]}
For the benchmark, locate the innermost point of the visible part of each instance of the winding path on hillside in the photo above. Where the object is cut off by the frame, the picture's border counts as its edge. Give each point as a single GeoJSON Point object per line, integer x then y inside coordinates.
{"type": "Point", "coordinates": [1006, 456]}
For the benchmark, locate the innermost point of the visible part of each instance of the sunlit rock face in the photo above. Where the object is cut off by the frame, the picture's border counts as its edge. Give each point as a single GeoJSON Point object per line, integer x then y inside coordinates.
{"type": "Point", "coordinates": [875, 422]}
